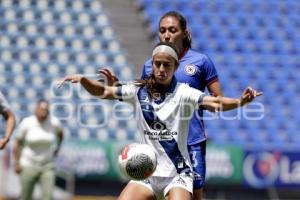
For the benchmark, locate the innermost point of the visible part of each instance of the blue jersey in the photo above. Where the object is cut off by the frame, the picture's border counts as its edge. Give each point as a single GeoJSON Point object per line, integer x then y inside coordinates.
{"type": "Point", "coordinates": [198, 71]}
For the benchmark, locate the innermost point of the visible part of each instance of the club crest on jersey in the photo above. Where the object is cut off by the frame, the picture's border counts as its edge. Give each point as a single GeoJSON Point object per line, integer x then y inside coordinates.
{"type": "Point", "coordinates": [159, 126]}
{"type": "Point", "coordinates": [190, 69]}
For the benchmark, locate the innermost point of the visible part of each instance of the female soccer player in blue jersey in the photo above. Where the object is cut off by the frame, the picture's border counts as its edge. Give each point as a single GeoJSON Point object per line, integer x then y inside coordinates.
{"type": "Point", "coordinates": [198, 71]}
{"type": "Point", "coordinates": [164, 107]}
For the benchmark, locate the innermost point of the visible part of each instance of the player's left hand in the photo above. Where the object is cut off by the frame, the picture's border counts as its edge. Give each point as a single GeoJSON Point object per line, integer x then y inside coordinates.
{"type": "Point", "coordinates": [249, 94]}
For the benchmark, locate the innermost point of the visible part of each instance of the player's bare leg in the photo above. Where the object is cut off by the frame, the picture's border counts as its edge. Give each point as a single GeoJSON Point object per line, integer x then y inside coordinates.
{"type": "Point", "coordinates": [178, 193]}
{"type": "Point", "coordinates": [197, 194]}
{"type": "Point", "coordinates": [137, 192]}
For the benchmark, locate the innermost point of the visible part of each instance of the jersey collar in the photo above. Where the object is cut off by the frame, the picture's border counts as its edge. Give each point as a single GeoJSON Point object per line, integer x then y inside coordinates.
{"type": "Point", "coordinates": [183, 52]}
{"type": "Point", "coordinates": [170, 89]}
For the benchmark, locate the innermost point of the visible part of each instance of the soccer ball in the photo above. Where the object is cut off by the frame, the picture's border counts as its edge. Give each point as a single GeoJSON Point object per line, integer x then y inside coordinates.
{"type": "Point", "coordinates": [137, 161]}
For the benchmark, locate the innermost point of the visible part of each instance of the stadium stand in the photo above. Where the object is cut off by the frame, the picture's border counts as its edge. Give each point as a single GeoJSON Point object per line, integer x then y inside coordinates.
{"type": "Point", "coordinates": [251, 43]}
{"type": "Point", "coordinates": [42, 41]}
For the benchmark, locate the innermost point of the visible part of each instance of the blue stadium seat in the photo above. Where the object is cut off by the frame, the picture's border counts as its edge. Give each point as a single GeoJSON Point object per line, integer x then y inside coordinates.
{"type": "Point", "coordinates": [260, 47]}
{"type": "Point", "coordinates": [45, 40]}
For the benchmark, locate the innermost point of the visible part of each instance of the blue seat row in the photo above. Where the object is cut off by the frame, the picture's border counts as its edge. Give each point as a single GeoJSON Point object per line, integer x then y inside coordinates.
{"type": "Point", "coordinates": [41, 42]}
{"type": "Point", "coordinates": [251, 43]}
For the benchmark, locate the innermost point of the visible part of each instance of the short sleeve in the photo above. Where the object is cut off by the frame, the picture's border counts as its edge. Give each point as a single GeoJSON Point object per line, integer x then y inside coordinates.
{"type": "Point", "coordinates": [146, 69]}
{"type": "Point", "coordinates": [57, 125]}
{"type": "Point", "coordinates": [127, 93]}
{"type": "Point", "coordinates": [22, 129]}
{"type": "Point", "coordinates": [211, 73]}
{"type": "Point", "coordinates": [192, 95]}
{"type": "Point", "coordinates": [4, 106]}
{"type": "Point", "coordinates": [144, 75]}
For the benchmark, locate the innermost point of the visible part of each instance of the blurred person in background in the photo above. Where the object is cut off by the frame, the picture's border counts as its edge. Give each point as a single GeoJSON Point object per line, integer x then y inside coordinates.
{"type": "Point", "coordinates": [198, 71]}
{"type": "Point", "coordinates": [160, 99]}
{"type": "Point", "coordinates": [38, 141]}
{"type": "Point", "coordinates": [10, 121]}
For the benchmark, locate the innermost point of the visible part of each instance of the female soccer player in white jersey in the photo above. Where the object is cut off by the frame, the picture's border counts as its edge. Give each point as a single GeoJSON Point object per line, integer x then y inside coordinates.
{"type": "Point", "coordinates": [198, 71]}
{"type": "Point", "coordinates": [164, 107]}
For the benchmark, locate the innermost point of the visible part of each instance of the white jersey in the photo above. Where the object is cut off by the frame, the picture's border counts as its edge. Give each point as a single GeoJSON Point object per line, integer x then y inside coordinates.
{"type": "Point", "coordinates": [39, 140]}
{"type": "Point", "coordinates": [163, 124]}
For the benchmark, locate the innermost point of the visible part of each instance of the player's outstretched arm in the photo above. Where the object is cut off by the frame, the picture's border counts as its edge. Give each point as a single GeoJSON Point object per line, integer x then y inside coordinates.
{"type": "Point", "coordinates": [94, 87]}
{"type": "Point", "coordinates": [216, 104]}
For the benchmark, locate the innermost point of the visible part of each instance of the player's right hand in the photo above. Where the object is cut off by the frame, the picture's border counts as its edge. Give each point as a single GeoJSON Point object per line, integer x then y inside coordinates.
{"type": "Point", "coordinates": [70, 78]}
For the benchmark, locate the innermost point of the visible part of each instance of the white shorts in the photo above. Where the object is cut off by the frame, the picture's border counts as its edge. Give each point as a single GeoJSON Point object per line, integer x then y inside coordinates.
{"type": "Point", "coordinates": [162, 185]}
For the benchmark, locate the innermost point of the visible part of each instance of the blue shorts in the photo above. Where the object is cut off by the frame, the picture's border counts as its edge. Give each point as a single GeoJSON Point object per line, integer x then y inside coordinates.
{"type": "Point", "coordinates": [197, 155]}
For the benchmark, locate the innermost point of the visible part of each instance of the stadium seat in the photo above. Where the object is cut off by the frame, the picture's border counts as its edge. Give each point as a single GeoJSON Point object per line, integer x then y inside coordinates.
{"type": "Point", "coordinates": [42, 41]}
{"type": "Point", "coordinates": [251, 43]}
